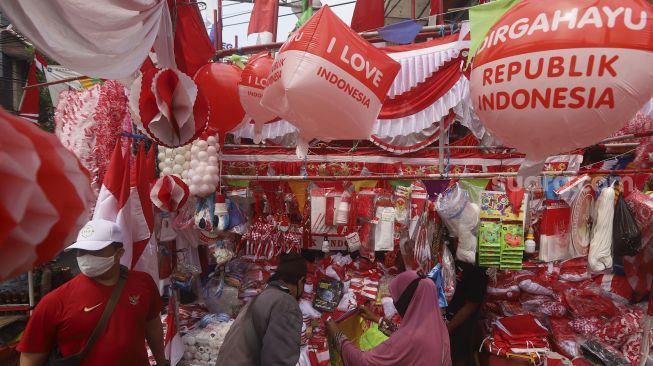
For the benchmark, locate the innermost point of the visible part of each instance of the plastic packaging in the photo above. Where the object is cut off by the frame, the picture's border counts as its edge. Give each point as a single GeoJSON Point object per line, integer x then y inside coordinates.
{"type": "Point", "coordinates": [462, 218]}
{"type": "Point", "coordinates": [626, 238]}
{"type": "Point", "coordinates": [436, 276]}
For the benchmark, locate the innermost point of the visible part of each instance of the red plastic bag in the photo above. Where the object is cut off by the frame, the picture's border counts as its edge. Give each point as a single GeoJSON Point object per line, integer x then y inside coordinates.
{"type": "Point", "coordinates": [586, 303]}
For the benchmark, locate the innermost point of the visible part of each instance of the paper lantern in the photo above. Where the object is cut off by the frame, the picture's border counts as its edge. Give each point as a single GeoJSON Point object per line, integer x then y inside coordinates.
{"type": "Point", "coordinates": [253, 81]}
{"type": "Point", "coordinates": [169, 193]}
{"type": "Point", "coordinates": [552, 76]}
{"type": "Point", "coordinates": [328, 81]}
{"type": "Point", "coordinates": [219, 82]}
{"type": "Point", "coordinates": [168, 107]}
{"type": "Point", "coordinates": [45, 196]}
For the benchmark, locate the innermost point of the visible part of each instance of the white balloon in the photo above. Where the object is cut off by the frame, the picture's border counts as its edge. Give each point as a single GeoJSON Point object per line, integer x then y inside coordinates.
{"type": "Point", "coordinates": [193, 164]}
{"type": "Point", "coordinates": [162, 165]}
{"type": "Point", "coordinates": [202, 156]}
{"type": "Point", "coordinates": [212, 150]}
{"type": "Point", "coordinates": [208, 179]}
{"type": "Point", "coordinates": [167, 171]}
{"type": "Point", "coordinates": [187, 155]}
{"type": "Point", "coordinates": [205, 189]}
{"type": "Point", "coordinates": [212, 169]}
{"type": "Point", "coordinates": [161, 155]}
{"type": "Point", "coordinates": [213, 160]}
{"type": "Point", "coordinates": [196, 179]}
{"type": "Point", "coordinates": [184, 174]}
{"type": "Point", "coordinates": [179, 159]}
{"type": "Point", "coordinates": [211, 140]}
{"type": "Point", "coordinates": [194, 149]}
{"type": "Point", "coordinates": [216, 179]}
{"type": "Point", "coordinates": [170, 152]}
{"type": "Point", "coordinates": [193, 189]}
{"type": "Point", "coordinates": [186, 165]}
{"type": "Point", "coordinates": [202, 144]}
{"type": "Point", "coordinates": [177, 169]}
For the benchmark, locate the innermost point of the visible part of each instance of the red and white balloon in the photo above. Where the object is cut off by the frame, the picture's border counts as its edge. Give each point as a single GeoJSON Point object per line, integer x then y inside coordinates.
{"type": "Point", "coordinates": [45, 196]}
{"type": "Point", "coordinates": [168, 107]}
{"type": "Point", "coordinates": [169, 193]}
{"type": "Point", "coordinates": [553, 76]}
{"type": "Point", "coordinates": [253, 81]}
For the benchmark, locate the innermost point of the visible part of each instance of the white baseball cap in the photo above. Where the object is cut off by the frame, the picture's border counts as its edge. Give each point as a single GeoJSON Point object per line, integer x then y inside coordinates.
{"type": "Point", "coordinates": [97, 234]}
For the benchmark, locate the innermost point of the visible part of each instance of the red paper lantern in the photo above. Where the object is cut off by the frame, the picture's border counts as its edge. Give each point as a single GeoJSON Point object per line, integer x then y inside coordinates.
{"type": "Point", "coordinates": [168, 107]}
{"type": "Point", "coordinates": [219, 83]}
{"type": "Point", "coordinates": [252, 83]}
{"type": "Point", "coordinates": [45, 195]}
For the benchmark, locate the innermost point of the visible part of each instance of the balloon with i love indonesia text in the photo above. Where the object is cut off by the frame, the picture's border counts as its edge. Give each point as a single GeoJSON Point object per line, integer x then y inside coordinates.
{"type": "Point", "coordinates": [553, 76]}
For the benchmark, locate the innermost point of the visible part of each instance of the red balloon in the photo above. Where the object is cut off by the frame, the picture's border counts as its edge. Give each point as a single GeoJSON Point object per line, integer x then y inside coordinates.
{"type": "Point", "coordinates": [219, 83]}
{"type": "Point", "coordinates": [253, 81]}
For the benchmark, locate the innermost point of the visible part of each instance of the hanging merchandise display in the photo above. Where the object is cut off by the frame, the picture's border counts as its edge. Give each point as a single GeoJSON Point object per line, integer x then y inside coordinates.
{"type": "Point", "coordinates": [46, 196]}
{"type": "Point", "coordinates": [219, 83]}
{"type": "Point", "coordinates": [555, 239]}
{"type": "Point", "coordinates": [600, 255]}
{"type": "Point", "coordinates": [253, 82]}
{"type": "Point", "coordinates": [175, 161]}
{"type": "Point", "coordinates": [169, 193]}
{"type": "Point", "coordinates": [168, 107]}
{"type": "Point", "coordinates": [328, 81]}
{"type": "Point", "coordinates": [626, 238]}
{"type": "Point", "coordinates": [545, 83]}
{"type": "Point", "coordinates": [203, 173]}
{"type": "Point", "coordinates": [461, 217]}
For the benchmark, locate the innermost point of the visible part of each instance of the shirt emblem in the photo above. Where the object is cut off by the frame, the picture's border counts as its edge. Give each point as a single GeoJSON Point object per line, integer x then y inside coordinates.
{"type": "Point", "coordinates": [134, 299]}
{"type": "Point", "coordinates": [87, 309]}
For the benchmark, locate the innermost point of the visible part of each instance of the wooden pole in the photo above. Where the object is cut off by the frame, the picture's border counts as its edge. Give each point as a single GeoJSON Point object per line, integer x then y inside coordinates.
{"type": "Point", "coordinates": [215, 31]}
{"type": "Point", "coordinates": [276, 22]}
{"type": "Point", "coordinates": [219, 35]}
{"type": "Point", "coordinates": [412, 9]}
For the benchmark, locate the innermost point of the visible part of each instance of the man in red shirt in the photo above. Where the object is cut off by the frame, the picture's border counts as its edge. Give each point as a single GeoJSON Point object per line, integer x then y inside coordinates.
{"type": "Point", "coordinates": [66, 317]}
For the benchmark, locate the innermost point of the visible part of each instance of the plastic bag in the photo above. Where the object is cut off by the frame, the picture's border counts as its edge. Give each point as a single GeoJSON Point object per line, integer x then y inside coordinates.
{"type": "Point", "coordinates": [626, 238]}
{"type": "Point", "coordinates": [603, 354]}
{"type": "Point", "coordinates": [436, 276]}
{"type": "Point", "coordinates": [448, 273]}
{"type": "Point", "coordinates": [372, 338]}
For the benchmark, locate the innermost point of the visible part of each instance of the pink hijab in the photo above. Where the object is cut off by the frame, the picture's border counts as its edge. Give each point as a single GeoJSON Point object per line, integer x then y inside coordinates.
{"type": "Point", "coordinates": [422, 337]}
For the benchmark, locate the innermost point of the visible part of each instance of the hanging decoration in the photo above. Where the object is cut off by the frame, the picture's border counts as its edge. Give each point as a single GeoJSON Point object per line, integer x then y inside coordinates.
{"type": "Point", "coordinates": [168, 107]}
{"type": "Point", "coordinates": [169, 193]}
{"type": "Point", "coordinates": [557, 75]}
{"type": "Point", "coordinates": [328, 81]}
{"type": "Point", "coordinates": [45, 196]}
{"type": "Point", "coordinates": [219, 82]}
{"type": "Point", "coordinates": [203, 173]}
{"type": "Point", "coordinates": [252, 83]}
{"type": "Point", "coordinates": [175, 161]}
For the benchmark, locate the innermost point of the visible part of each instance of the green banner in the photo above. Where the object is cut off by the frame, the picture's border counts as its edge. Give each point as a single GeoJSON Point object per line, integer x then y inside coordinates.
{"type": "Point", "coordinates": [482, 18]}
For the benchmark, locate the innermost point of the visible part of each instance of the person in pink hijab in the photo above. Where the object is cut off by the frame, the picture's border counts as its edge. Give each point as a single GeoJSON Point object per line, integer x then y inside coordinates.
{"type": "Point", "coordinates": [422, 338]}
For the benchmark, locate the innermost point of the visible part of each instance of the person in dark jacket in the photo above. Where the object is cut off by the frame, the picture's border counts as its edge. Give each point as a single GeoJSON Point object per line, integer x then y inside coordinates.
{"type": "Point", "coordinates": [268, 329]}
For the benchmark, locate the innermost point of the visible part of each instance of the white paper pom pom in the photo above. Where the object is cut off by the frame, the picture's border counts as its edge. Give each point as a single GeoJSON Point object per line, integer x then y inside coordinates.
{"type": "Point", "coordinates": [177, 169]}
{"type": "Point", "coordinates": [166, 171]}
{"type": "Point", "coordinates": [211, 169]}
{"type": "Point", "coordinates": [202, 156]}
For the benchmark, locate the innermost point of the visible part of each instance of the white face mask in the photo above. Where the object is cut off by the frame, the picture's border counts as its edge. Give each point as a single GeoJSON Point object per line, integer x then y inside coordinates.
{"type": "Point", "coordinates": [93, 266]}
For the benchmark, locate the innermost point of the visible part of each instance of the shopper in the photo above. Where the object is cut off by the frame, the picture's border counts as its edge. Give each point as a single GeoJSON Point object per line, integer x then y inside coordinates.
{"type": "Point", "coordinates": [268, 330]}
{"type": "Point", "coordinates": [420, 339]}
{"type": "Point", "coordinates": [65, 319]}
{"type": "Point", "coordinates": [462, 312]}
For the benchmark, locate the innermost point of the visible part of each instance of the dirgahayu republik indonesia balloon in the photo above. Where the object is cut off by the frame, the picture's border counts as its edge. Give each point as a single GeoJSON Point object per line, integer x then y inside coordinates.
{"type": "Point", "coordinates": [553, 76]}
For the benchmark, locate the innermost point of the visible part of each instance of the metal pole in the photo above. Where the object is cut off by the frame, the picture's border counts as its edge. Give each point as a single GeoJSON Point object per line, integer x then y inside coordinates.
{"type": "Point", "coordinates": [285, 178]}
{"type": "Point", "coordinates": [215, 30]}
{"type": "Point", "coordinates": [75, 78]}
{"type": "Point", "coordinates": [219, 35]}
{"type": "Point", "coordinates": [236, 41]}
{"type": "Point", "coordinates": [443, 135]}
{"type": "Point", "coordinates": [30, 290]}
{"type": "Point", "coordinates": [440, 18]}
{"type": "Point", "coordinates": [276, 22]}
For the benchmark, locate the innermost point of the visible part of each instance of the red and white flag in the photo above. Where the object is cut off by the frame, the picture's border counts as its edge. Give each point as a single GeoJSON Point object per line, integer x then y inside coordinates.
{"type": "Point", "coordinates": [120, 201]}
{"type": "Point", "coordinates": [368, 15]}
{"type": "Point", "coordinates": [174, 348]}
{"type": "Point", "coordinates": [29, 104]}
{"type": "Point", "coordinates": [262, 20]}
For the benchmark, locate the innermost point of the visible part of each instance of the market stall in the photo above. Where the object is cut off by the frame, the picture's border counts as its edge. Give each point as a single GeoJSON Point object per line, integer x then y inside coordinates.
{"type": "Point", "coordinates": [368, 160]}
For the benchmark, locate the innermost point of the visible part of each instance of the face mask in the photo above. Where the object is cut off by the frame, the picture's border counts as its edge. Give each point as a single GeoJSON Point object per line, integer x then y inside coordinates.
{"type": "Point", "coordinates": [93, 266]}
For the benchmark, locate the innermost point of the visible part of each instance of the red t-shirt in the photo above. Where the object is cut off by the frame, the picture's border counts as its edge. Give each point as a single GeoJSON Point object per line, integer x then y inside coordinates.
{"type": "Point", "coordinates": [68, 315]}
